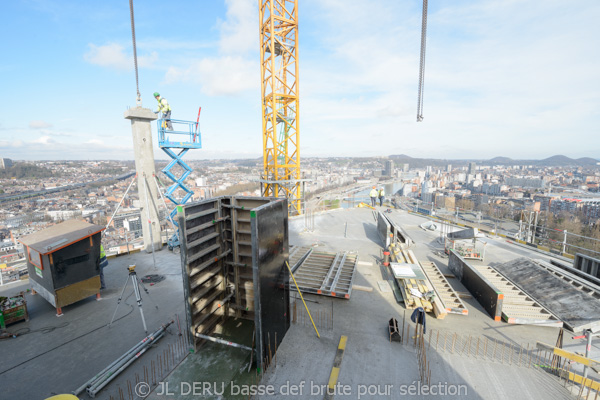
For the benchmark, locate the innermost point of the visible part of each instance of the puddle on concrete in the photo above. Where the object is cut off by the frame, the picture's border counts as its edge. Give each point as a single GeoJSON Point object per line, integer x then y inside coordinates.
{"type": "Point", "coordinates": [216, 371]}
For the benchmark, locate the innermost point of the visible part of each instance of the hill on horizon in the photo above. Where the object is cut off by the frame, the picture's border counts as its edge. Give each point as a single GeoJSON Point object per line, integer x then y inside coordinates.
{"type": "Point", "coordinates": [553, 161]}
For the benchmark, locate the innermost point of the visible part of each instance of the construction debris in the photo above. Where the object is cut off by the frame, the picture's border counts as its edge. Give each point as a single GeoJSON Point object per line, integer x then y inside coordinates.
{"type": "Point", "coordinates": [13, 309]}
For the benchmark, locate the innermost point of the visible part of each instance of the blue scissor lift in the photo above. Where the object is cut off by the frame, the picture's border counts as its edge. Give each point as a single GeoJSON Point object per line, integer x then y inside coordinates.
{"type": "Point", "coordinates": [184, 136]}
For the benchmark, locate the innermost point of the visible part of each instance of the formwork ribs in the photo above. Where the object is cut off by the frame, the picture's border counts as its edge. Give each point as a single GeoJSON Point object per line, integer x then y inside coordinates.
{"type": "Point", "coordinates": [233, 253]}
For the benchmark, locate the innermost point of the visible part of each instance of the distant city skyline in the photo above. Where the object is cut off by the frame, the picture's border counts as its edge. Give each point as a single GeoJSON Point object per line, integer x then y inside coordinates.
{"type": "Point", "coordinates": [383, 158]}
{"type": "Point", "coordinates": [510, 79]}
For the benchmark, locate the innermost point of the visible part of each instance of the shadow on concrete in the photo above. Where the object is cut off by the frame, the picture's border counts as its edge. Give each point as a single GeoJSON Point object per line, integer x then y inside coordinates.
{"type": "Point", "coordinates": [370, 230]}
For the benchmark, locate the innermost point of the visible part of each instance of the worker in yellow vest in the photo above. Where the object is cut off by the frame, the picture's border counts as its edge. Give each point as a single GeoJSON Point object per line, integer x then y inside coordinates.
{"type": "Point", "coordinates": [165, 108]}
{"type": "Point", "coordinates": [381, 197]}
{"type": "Point", "coordinates": [103, 264]}
{"type": "Point", "coordinates": [373, 195]}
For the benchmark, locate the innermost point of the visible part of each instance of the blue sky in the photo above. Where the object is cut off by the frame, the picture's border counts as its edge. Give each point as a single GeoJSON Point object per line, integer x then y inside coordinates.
{"type": "Point", "coordinates": [503, 78]}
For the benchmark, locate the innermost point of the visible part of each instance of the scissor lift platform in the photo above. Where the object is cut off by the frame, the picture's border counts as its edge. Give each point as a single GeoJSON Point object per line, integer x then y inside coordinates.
{"type": "Point", "coordinates": [185, 136]}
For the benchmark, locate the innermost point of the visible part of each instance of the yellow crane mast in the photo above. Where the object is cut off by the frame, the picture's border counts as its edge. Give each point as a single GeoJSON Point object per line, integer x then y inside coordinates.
{"type": "Point", "coordinates": [280, 103]}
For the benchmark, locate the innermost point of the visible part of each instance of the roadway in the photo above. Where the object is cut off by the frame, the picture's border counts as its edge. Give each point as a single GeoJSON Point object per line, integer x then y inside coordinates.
{"type": "Point", "coordinates": [30, 194]}
{"type": "Point", "coordinates": [471, 218]}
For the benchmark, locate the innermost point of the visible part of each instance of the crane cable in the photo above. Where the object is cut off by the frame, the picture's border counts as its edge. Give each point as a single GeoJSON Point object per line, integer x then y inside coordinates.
{"type": "Point", "coordinates": [422, 66]}
{"type": "Point", "coordinates": [137, 83]}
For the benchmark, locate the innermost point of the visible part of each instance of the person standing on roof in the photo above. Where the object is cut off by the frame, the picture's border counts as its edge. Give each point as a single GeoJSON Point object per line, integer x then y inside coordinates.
{"type": "Point", "coordinates": [163, 105]}
{"type": "Point", "coordinates": [381, 196]}
{"type": "Point", "coordinates": [103, 264]}
{"type": "Point", "coordinates": [373, 194]}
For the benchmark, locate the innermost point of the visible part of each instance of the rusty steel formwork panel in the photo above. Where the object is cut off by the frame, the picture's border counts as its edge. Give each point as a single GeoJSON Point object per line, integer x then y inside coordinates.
{"type": "Point", "coordinates": [224, 266]}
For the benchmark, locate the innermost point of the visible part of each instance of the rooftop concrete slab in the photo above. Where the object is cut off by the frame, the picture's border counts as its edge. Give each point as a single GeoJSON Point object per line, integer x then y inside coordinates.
{"type": "Point", "coordinates": [69, 354]}
{"type": "Point", "coordinates": [370, 359]}
{"type": "Point", "coordinates": [64, 352]}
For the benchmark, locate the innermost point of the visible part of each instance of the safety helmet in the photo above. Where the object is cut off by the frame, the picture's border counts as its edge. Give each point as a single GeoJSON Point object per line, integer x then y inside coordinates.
{"type": "Point", "coordinates": [374, 187]}
{"type": "Point", "coordinates": [156, 94]}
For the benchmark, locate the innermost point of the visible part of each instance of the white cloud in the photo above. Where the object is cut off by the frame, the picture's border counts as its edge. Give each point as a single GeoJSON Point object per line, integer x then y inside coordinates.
{"type": "Point", "coordinates": [239, 31]}
{"type": "Point", "coordinates": [39, 125]}
{"type": "Point", "coordinates": [113, 55]}
{"type": "Point", "coordinates": [499, 76]}
{"type": "Point", "coordinates": [102, 145]}
{"type": "Point", "coordinates": [109, 55]}
{"type": "Point", "coordinates": [45, 129]}
{"type": "Point", "coordinates": [55, 133]}
{"type": "Point", "coordinates": [225, 75]}
{"type": "Point", "coordinates": [45, 140]}
{"type": "Point", "coordinates": [236, 68]}
{"type": "Point", "coordinates": [9, 146]}
{"type": "Point", "coordinates": [162, 44]}
{"type": "Point", "coordinates": [45, 147]}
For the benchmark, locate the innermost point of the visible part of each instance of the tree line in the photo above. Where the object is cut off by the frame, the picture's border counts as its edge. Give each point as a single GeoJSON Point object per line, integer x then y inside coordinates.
{"type": "Point", "coordinates": [26, 171]}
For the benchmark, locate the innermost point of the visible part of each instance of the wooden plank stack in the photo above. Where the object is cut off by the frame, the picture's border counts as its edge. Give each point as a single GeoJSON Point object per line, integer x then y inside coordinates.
{"type": "Point", "coordinates": [409, 285]}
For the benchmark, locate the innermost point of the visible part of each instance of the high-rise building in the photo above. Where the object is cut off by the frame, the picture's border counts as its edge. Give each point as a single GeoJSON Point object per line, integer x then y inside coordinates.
{"type": "Point", "coordinates": [405, 167]}
{"type": "Point", "coordinates": [5, 163]}
{"type": "Point", "coordinates": [389, 168]}
{"type": "Point", "coordinates": [472, 168]}
{"type": "Point", "coordinates": [133, 224]}
{"type": "Point", "coordinates": [449, 168]}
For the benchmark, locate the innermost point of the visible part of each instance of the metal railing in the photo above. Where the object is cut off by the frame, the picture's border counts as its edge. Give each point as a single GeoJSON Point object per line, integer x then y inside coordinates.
{"type": "Point", "coordinates": [185, 134]}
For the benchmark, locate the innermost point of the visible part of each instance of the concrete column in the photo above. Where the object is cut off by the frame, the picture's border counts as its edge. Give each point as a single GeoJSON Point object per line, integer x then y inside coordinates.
{"type": "Point", "coordinates": [144, 166]}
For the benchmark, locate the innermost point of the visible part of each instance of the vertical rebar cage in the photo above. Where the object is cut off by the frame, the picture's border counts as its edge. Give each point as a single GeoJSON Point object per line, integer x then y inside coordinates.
{"type": "Point", "coordinates": [280, 101]}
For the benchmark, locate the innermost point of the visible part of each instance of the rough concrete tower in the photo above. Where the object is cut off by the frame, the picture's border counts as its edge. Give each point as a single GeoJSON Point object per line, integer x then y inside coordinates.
{"type": "Point", "coordinates": [144, 166]}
